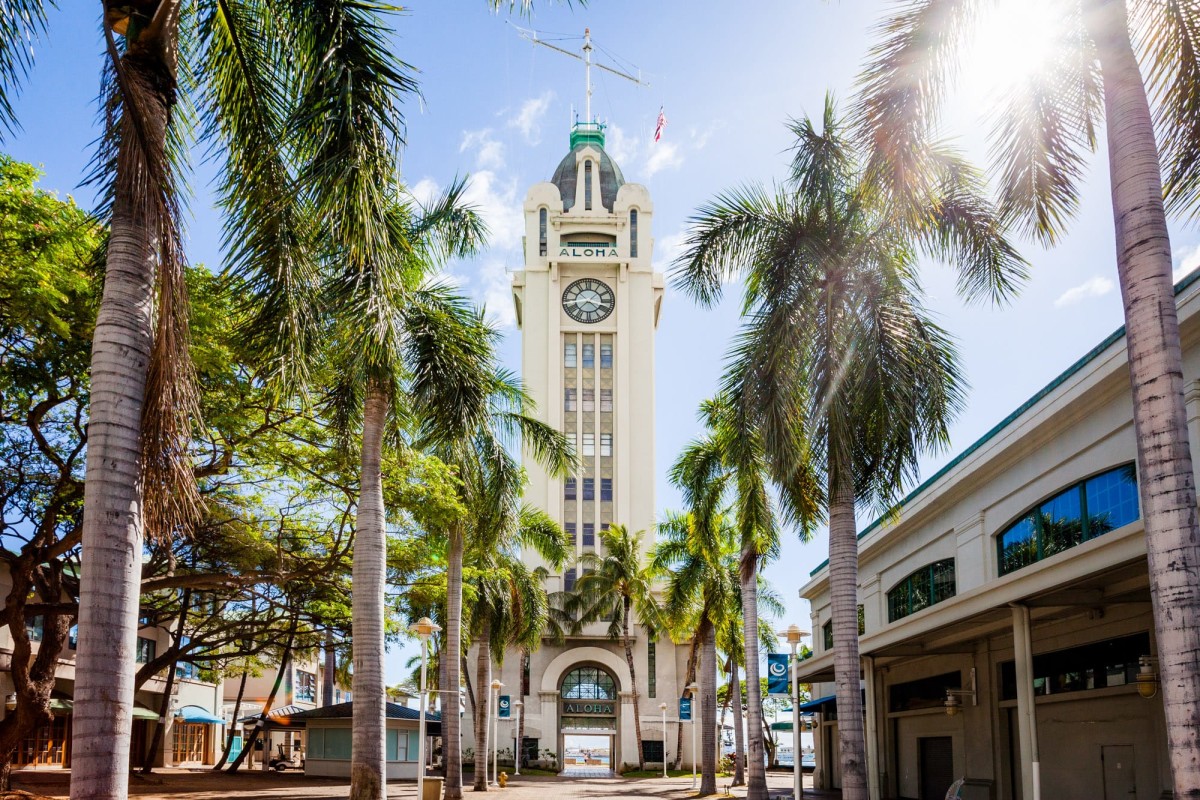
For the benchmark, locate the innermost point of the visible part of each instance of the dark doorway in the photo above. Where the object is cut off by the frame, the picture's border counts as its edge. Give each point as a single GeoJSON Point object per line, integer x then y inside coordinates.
{"type": "Point", "coordinates": [1119, 780]}
{"type": "Point", "coordinates": [936, 756]}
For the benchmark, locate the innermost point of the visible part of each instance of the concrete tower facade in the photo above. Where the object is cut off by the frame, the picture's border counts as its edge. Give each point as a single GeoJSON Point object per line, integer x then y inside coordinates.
{"type": "Point", "coordinates": [588, 304]}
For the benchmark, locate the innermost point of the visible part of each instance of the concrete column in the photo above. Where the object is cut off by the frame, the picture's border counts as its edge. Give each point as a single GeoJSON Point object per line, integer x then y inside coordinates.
{"type": "Point", "coordinates": [976, 553]}
{"type": "Point", "coordinates": [1031, 781]}
{"type": "Point", "coordinates": [550, 740]}
{"type": "Point", "coordinates": [627, 744]}
{"type": "Point", "coordinates": [872, 729]}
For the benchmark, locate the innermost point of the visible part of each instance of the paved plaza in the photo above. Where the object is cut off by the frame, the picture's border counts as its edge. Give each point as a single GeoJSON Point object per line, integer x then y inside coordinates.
{"type": "Point", "coordinates": [196, 785]}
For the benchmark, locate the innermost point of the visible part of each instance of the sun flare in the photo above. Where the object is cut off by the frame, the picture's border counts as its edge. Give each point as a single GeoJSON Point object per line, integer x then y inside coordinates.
{"type": "Point", "coordinates": [1012, 40]}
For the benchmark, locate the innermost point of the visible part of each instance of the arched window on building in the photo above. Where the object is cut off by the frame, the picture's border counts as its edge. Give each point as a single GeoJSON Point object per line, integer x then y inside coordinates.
{"type": "Point", "coordinates": [633, 233]}
{"type": "Point", "coordinates": [587, 185]}
{"type": "Point", "coordinates": [931, 584]}
{"type": "Point", "coordinates": [589, 683]}
{"type": "Point", "coordinates": [542, 215]}
{"type": "Point", "coordinates": [1074, 515]}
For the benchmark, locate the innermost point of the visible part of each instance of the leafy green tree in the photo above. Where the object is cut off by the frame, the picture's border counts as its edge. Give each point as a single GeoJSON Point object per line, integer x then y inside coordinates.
{"type": "Point", "coordinates": [617, 587]}
{"type": "Point", "coordinates": [839, 374]}
{"type": "Point", "coordinates": [1131, 68]}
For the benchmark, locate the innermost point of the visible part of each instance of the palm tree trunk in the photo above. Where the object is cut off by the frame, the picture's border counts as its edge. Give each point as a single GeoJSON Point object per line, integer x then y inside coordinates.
{"type": "Point", "coordinates": [330, 669]}
{"type": "Point", "coordinates": [843, 588]}
{"type": "Point", "coordinates": [708, 710]}
{"type": "Point", "coordinates": [637, 715]}
{"type": "Point", "coordinates": [1165, 478]}
{"type": "Point", "coordinates": [368, 758]}
{"type": "Point", "coordinates": [237, 710]}
{"type": "Point", "coordinates": [756, 788]}
{"type": "Point", "coordinates": [524, 694]}
{"type": "Point", "coordinates": [689, 680]}
{"type": "Point", "coordinates": [483, 711]}
{"type": "Point", "coordinates": [739, 734]}
{"type": "Point", "coordinates": [451, 722]}
{"type": "Point", "coordinates": [113, 494]}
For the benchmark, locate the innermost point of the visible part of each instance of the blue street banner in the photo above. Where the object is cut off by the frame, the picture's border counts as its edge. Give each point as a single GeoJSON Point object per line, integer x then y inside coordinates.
{"type": "Point", "coordinates": [777, 674]}
{"type": "Point", "coordinates": [685, 709]}
{"type": "Point", "coordinates": [505, 706]}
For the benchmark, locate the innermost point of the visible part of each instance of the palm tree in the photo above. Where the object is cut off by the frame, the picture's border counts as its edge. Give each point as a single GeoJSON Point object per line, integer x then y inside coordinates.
{"type": "Point", "coordinates": [617, 587]}
{"type": "Point", "coordinates": [475, 427]}
{"type": "Point", "coordinates": [838, 370]}
{"type": "Point", "coordinates": [1095, 74]}
{"type": "Point", "coordinates": [509, 605]}
{"type": "Point", "coordinates": [693, 553]}
{"type": "Point", "coordinates": [369, 298]}
{"type": "Point", "coordinates": [727, 465]}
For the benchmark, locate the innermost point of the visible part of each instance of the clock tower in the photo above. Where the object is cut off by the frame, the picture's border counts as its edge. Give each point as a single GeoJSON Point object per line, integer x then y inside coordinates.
{"type": "Point", "coordinates": [587, 304]}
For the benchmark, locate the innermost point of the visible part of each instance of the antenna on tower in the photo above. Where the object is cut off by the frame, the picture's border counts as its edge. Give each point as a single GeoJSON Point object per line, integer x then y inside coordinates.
{"type": "Point", "coordinates": [532, 36]}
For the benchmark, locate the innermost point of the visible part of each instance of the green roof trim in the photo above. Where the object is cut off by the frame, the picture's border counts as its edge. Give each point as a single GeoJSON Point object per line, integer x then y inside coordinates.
{"type": "Point", "coordinates": [587, 133]}
{"type": "Point", "coordinates": [1091, 355]}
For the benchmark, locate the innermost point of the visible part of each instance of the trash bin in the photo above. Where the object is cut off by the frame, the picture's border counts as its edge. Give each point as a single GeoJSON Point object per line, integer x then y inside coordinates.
{"type": "Point", "coordinates": [431, 789]}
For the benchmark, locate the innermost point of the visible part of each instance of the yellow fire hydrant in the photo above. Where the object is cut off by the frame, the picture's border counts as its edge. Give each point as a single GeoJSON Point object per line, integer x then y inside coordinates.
{"type": "Point", "coordinates": [503, 779]}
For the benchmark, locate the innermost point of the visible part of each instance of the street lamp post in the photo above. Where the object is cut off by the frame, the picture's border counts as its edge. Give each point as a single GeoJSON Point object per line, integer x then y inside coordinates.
{"type": "Point", "coordinates": [423, 628]}
{"type": "Point", "coordinates": [794, 635]}
{"type": "Point", "coordinates": [695, 690]}
{"type": "Point", "coordinates": [496, 687]}
{"type": "Point", "coordinates": [517, 739]}
{"type": "Point", "coordinates": [663, 708]}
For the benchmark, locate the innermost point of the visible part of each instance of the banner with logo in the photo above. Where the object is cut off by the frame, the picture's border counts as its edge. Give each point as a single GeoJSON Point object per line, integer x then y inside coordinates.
{"type": "Point", "coordinates": [777, 675]}
{"type": "Point", "coordinates": [505, 706]}
{"type": "Point", "coordinates": [685, 709]}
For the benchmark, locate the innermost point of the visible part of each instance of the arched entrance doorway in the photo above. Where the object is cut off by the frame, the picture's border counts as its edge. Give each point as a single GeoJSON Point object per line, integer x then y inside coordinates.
{"type": "Point", "coordinates": [588, 718]}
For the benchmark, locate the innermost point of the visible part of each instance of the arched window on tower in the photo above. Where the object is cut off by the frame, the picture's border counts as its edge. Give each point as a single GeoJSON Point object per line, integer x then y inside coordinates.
{"type": "Point", "coordinates": [542, 232]}
{"type": "Point", "coordinates": [587, 185]}
{"type": "Point", "coordinates": [633, 235]}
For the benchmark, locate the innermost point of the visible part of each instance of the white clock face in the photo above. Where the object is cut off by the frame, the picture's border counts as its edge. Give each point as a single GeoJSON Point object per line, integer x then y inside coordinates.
{"type": "Point", "coordinates": [588, 300]}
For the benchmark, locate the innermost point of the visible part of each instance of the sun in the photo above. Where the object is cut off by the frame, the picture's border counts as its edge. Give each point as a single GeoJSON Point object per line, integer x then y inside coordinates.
{"type": "Point", "coordinates": [1012, 40]}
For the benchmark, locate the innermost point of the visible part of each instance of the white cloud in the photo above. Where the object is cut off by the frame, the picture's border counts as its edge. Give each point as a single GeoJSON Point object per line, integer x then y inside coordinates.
{"type": "Point", "coordinates": [1186, 261]}
{"type": "Point", "coordinates": [494, 289]}
{"type": "Point", "coordinates": [667, 249]}
{"type": "Point", "coordinates": [496, 200]}
{"type": "Point", "coordinates": [489, 153]}
{"type": "Point", "coordinates": [621, 147]}
{"type": "Point", "coordinates": [664, 155]}
{"type": "Point", "coordinates": [425, 191]}
{"type": "Point", "coordinates": [529, 119]}
{"type": "Point", "coordinates": [1092, 287]}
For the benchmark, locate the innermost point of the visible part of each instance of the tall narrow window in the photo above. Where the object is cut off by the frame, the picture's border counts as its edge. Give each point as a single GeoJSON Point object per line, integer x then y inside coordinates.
{"type": "Point", "coordinates": [569, 355]}
{"type": "Point", "coordinates": [589, 356]}
{"type": "Point", "coordinates": [632, 240]}
{"type": "Point", "coordinates": [587, 186]}
{"type": "Point", "coordinates": [606, 356]}
{"type": "Point", "coordinates": [606, 490]}
{"type": "Point", "coordinates": [589, 448]}
{"type": "Point", "coordinates": [542, 232]}
{"type": "Point", "coordinates": [569, 579]}
{"type": "Point", "coordinates": [589, 399]}
{"type": "Point", "coordinates": [651, 665]}
{"type": "Point", "coordinates": [589, 488]}
{"type": "Point", "coordinates": [606, 444]}
{"type": "Point", "coordinates": [606, 400]}
{"type": "Point", "coordinates": [589, 534]}
{"type": "Point", "coordinates": [569, 489]}
{"type": "Point", "coordinates": [570, 531]}
{"type": "Point", "coordinates": [569, 399]}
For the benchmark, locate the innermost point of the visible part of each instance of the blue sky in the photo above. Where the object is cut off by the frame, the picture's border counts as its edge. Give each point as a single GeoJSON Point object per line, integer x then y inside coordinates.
{"type": "Point", "coordinates": [729, 77]}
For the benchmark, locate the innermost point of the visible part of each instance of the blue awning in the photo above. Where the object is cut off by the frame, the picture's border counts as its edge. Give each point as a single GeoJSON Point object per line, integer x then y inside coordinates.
{"type": "Point", "coordinates": [197, 714]}
{"type": "Point", "coordinates": [813, 705]}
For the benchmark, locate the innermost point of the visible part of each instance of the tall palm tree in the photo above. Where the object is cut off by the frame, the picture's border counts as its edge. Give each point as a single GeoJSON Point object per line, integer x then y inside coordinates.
{"type": "Point", "coordinates": [693, 553]}
{"type": "Point", "coordinates": [617, 587]}
{"type": "Point", "coordinates": [510, 606]}
{"type": "Point", "coordinates": [727, 465]}
{"type": "Point", "coordinates": [1133, 68]}
{"type": "Point", "coordinates": [480, 425]}
{"type": "Point", "coordinates": [369, 302]}
{"type": "Point", "coordinates": [838, 369]}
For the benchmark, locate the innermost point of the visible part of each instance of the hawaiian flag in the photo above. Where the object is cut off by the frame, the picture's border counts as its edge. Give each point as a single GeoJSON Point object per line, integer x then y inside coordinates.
{"type": "Point", "coordinates": [662, 123]}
